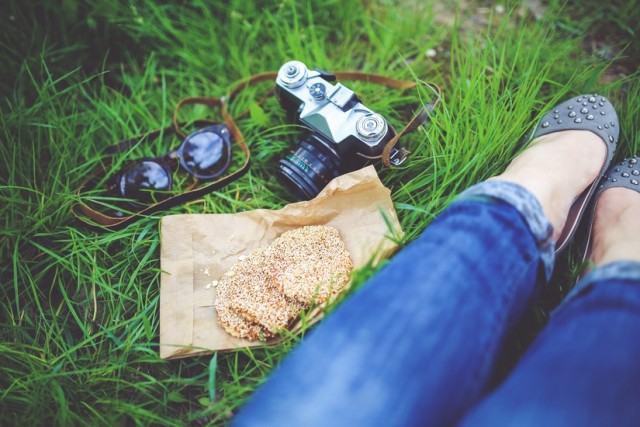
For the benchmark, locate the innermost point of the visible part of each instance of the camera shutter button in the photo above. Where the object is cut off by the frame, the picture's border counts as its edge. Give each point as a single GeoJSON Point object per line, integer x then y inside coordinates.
{"type": "Point", "coordinates": [291, 71]}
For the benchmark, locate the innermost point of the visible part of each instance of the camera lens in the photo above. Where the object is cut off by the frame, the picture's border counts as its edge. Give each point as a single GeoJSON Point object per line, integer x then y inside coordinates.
{"type": "Point", "coordinates": [309, 167]}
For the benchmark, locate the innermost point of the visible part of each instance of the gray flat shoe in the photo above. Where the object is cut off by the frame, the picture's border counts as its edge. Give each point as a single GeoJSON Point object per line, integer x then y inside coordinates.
{"type": "Point", "coordinates": [625, 174]}
{"type": "Point", "coordinates": [593, 113]}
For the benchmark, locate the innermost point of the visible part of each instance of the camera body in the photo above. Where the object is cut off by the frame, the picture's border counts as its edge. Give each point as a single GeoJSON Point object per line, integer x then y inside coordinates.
{"type": "Point", "coordinates": [343, 133]}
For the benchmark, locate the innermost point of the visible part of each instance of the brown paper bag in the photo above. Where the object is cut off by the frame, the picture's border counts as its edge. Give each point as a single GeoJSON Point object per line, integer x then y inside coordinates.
{"type": "Point", "coordinates": [196, 250]}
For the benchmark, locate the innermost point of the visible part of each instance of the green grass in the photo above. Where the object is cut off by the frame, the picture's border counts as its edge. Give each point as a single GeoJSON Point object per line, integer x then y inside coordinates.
{"type": "Point", "coordinates": [79, 309]}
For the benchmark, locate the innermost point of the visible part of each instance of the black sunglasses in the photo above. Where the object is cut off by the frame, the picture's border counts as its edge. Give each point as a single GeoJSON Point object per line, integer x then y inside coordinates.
{"type": "Point", "coordinates": [204, 154]}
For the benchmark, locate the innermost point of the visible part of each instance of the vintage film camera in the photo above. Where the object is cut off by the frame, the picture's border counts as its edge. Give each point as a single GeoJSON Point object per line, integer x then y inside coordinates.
{"type": "Point", "coordinates": [343, 133]}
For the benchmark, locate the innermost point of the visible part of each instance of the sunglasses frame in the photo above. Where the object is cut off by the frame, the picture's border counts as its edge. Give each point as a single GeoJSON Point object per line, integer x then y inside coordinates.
{"type": "Point", "coordinates": [218, 129]}
{"type": "Point", "coordinates": [101, 221]}
{"type": "Point", "coordinates": [114, 184]}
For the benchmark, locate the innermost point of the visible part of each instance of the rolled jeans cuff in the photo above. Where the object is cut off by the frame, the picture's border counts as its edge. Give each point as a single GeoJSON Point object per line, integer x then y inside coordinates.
{"type": "Point", "coordinates": [618, 270]}
{"type": "Point", "coordinates": [530, 210]}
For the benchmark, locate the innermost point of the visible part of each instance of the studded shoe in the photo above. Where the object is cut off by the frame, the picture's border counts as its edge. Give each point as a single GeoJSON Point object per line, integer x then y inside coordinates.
{"type": "Point", "coordinates": [586, 112]}
{"type": "Point", "coordinates": [625, 174]}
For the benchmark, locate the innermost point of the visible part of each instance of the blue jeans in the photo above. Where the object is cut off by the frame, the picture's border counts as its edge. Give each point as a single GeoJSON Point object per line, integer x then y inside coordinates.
{"type": "Point", "coordinates": [417, 344]}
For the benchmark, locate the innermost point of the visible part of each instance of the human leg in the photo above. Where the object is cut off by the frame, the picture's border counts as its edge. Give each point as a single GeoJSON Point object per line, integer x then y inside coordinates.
{"type": "Point", "coordinates": [584, 368]}
{"type": "Point", "coordinates": [417, 343]}
{"type": "Point", "coordinates": [542, 169]}
{"type": "Point", "coordinates": [617, 227]}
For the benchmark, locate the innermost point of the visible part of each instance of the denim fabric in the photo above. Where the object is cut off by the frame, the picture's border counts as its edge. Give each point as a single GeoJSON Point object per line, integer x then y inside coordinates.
{"type": "Point", "coordinates": [416, 344]}
{"type": "Point", "coordinates": [528, 206]}
{"type": "Point", "coordinates": [584, 367]}
{"type": "Point", "coordinates": [616, 270]}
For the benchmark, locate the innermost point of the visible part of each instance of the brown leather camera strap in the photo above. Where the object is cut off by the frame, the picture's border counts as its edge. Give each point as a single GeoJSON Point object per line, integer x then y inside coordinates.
{"type": "Point", "coordinates": [96, 219]}
{"type": "Point", "coordinates": [418, 119]}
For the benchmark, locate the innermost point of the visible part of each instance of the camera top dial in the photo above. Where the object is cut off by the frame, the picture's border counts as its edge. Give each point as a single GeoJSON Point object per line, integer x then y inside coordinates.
{"type": "Point", "coordinates": [293, 74]}
{"type": "Point", "coordinates": [371, 127]}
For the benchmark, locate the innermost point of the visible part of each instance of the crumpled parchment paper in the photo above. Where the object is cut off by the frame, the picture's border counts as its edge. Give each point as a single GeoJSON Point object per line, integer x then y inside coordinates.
{"type": "Point", "coordinates": [197, 249]}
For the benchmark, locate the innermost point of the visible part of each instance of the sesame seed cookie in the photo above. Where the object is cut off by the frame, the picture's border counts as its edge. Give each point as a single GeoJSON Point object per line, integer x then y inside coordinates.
{"type": "Point", "coordinates": [266, 290]}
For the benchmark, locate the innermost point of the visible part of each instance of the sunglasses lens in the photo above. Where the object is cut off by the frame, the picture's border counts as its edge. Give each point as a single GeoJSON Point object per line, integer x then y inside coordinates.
{"type": "Point", "coordinates": [140, 179]}
{"type": "Point", "coordinates": [206, 154]}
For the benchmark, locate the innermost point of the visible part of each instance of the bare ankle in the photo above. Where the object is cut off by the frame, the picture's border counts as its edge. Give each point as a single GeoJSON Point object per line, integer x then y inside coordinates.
{"type": "Point", "coordinates": [556, 168]}
{"type": "Point", "coordinates": [616, 230]}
